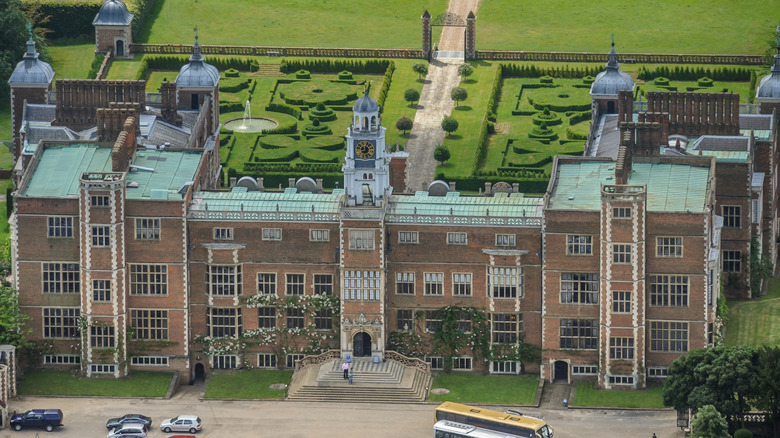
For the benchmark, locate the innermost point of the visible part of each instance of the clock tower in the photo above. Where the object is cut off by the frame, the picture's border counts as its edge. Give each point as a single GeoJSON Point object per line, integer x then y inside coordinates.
{"type": "Point", "coordinates": [366, 166]}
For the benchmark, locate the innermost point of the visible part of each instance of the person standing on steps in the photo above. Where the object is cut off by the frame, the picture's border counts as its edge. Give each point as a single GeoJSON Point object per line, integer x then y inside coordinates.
{"type": "Point", "coordinates": [654, 436]}
{"type": "Point", "coordinates": [345, 368]}
{"type": "Point", "coordinates": [351, 375]}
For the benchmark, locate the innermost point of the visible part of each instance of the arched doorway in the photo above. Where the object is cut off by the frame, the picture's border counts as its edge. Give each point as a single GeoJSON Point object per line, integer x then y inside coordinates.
{"type": "Point", "coordinates": [200, 374]}
{"type": "Point", "coordinates": [361, 345]}
{"type": "Point", "coordinates": [561, 371]}
{"type": "Point", "coordinates": [611, 107]}
{"type": "Point", "coordinates": [120, 48]}
{"type": "Point", "coordinates": [194, 101]}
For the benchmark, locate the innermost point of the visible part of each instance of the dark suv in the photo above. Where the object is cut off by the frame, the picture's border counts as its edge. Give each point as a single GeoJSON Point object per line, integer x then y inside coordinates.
{"type": "Point", "coordinates": [47, 418]}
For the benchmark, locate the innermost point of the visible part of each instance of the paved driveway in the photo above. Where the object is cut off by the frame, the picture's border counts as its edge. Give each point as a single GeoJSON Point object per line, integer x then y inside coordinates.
{"type": "Point", "coordinates": [86, 417]}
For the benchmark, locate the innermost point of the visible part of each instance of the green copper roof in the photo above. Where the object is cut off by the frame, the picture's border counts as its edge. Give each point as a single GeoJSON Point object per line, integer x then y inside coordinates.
{"type": "Point", "coordinates": [727, 156]}
{"type": "Point", "coordinates": [287, 201]}
{"type": "Point", "coordinates": [499, 205]}
{"type": "Point", "coordinates": [57, 173]}
{"type": "Point", "coordinates": [171, 170]}
{"type": "Point", "coordinates": [669, 187]}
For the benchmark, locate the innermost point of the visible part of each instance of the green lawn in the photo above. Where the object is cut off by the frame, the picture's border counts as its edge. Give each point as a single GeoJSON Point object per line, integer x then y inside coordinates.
{"type": "Point", "coordinates": [5, 119]}
{"type": "Point", "coordinates": [248, 384]}
{"type": "Point", "coordinates": [586, 395]}
{"type": "Point", "coordinates": [477, 388]}
{"type": "Point", "coordinates": [324, 23]}
{"type": "Point", "coordinates": [395, 105]}
{"type": "Point", "coordinates": [51, 382]}
{"type": "Point", "coordinates": [71, 61]}
{"type": "Point", "coordinates": [125, 69]}
{"type": "Point", "coordinates": [756, 322]}
{"type": "Point", "coordinates": [665, 26]}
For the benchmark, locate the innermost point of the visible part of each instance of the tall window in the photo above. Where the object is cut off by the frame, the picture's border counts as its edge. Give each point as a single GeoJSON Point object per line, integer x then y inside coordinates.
{"type": "Point", "coordinates": [323, 319]}
{"type": "Point", "coordinates": [408, 237]}
{"type": "Point", "coordinates": [223, 234]}
{"type": "Point", "coordinates": [149, 324]}
{"type": "Point", "coordinates": [434, 283]}
{"type": "Point", "coordinates": [404, 283]}
{"type": "Point", "coordinates": [669, 247]}
{"type": "Point", "coordinates": [295, 284]}
{"type": "Point", "coordinates": [505, 240]}
{"type": "Point", "coordinates": [147, 229]}
{"type": "Point", "coordinates": [101, 290]}
{"type": "Point", "coordinates": [461, 284]}
{"type": "Point", "coordinates": [60, 322]}
{"type": "Point", "coordinates": [319, 235]}
{"type": "Point", "coordinates": [432, 320]}
{"type": "Point", "coordinates": [732, 216]}
{"type": "Point", "coordinates": [295, 317]}
{"type": "Point", "coordinates": [579, 334]}
{"type": "Point", "coordinates": [361, 240]}
{"type": "Point", "coordinates": [405, 320]}
{"type": "Point", "coordinates": [224, 322]}
{"type": "Point", "coordinates": [101, 337]}
{"type": "Point", "coordinates": [621, 348]}
{"type": "Point", "coordinates": [61, 278]}
{"type": "Point", "coordinates": [668, 336]}
{"type": "Point", "coordinates": [505, 282]}
{"type": "Point", "coordinates": [361, 285]}
{"type": "Point", "coordinates": [579, 288]}
{"type": "Point", "coordinates": [457, 239]}
{"type": "Point", "coordinates": [60, 226]}
{"type": "Point", "coordinates": [266, 317]}
{"type": "Point", "coordinates": [148, 279]}
{"type": "Point", "coordinates": [272, 234]}
{"type": "Point", "coordinates": [621, 253]}
{"type": "Point", "coordinates": [505, 327]}
{"type": "Point", "coordinates": [100, 235]}
{"type": "Point", "coordinates": [732, 261]}
{"type": "Point", "coordinates": [98, 201]}
{"type": "Point", "coordinates": [669, 290]}
{"type": "Point", "coordinates": [464, 322]}
{"type": "Point", "coordinates": [323, 284]}
{"type": "Point", "coordinates": [224, 279]}
{"type": "Point", "coordinates": [266, 284]}
{"type": "Point", "coordinates": [621, 301]}
{"type": "Point", "coordinates": [579, 245]}
{"type": "Point", "coordinates": [621, 212]}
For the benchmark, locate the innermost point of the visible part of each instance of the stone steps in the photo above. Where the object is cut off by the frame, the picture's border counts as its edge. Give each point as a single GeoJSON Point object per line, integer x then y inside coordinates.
{"type": "Point", "coordinates": [269, 70]}
{"type": "Point", "coordinates": [385, 382]}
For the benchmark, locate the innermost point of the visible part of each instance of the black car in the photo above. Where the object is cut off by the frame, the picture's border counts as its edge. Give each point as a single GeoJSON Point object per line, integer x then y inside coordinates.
{"type": "Point", "coordinates": [129, 419]}
{"type": "Point", "coordinates": [46, 418]}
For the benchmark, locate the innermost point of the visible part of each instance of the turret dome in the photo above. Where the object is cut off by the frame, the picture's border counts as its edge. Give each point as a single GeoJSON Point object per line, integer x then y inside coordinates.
{"type": "Point", "coordinates": [365, 105]}
{"type": "Point", "coordinates": [113, 13]}
{"type": "Point", "coordinates": [612, 80]}
{"type": "Point", "coordinates": [31, 70]}
{"type": "Point", "coordinates": [197, 73]}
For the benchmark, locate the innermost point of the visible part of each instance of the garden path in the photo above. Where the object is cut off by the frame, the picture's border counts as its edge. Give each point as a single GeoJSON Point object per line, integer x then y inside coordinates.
{"type": "Point", "coordinates": [435, 103]}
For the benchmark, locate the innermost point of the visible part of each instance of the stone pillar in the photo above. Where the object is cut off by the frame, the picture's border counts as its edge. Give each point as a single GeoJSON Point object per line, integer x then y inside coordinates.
{"type": "Point", "coordinates": [471, 42]}
{"type": "Point", "coordinates": [426, 35]}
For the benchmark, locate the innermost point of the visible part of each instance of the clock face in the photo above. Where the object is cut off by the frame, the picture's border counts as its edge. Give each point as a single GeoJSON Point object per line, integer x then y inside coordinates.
{"type": "Point", "coordinates": [364, 149]}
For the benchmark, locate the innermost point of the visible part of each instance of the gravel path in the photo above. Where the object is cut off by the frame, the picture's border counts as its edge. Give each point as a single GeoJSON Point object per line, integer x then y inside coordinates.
{"type": "Point", "coordinates": [435, 103]}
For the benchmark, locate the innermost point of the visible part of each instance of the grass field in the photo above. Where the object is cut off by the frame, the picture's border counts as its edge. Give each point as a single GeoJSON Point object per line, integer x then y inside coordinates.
{"type": "Point", "coordinates": [71, 61]}
{"type": "Point", "coordinates": [57, 382]}
{"type": "Point", "coordinates": [324, 23]}
{"type": "Point", "coordinates": [756, 322]}
{"type": "Point", "coordinates": [477, 388]}
{"type": "Point", "coordinates": [586, 395]}
{"type": "Point", "coordinates": [248, 384]}
{"type": "Point", "coordinates": [682, 26]}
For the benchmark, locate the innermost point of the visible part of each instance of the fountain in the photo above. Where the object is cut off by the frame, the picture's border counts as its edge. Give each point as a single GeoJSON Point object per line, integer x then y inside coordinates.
{"type": "Point", "coordinates": [249, 124]}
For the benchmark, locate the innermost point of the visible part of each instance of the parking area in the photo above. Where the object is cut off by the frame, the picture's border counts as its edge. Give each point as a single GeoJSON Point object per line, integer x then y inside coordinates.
{"type": "Point", "coordinates": [86, 417]}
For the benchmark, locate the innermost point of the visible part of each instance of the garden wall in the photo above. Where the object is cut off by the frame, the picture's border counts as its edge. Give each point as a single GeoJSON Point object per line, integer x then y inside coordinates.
{"type": "Point", "coordinates": [628, 58]}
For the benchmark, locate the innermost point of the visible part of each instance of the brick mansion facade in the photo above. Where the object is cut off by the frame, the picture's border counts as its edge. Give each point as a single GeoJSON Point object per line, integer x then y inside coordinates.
{"type": "Point", "coordinates": [128, 255]}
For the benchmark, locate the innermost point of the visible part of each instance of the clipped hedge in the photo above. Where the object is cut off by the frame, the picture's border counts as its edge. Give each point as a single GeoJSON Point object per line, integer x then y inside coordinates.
{"type": "Point", "coordinates": [571, 135]}
{"type": "Point", "coordinates": [96, 62]}
{"type": "Point", "coordinates": [313, 129]}
{"type": "Point", "coordinates": [588, 80]}
{"type": "Point", "coordinates": [687, 73]}
{"type": "Point", "coordinates": [704, 82]}
{"type": "Point", "coordinates": [661, 81]}
{"type": "Point", "coordinates": [275, 155]}
{"type": "Point", "coordinates": [171, 62]}
{"type": "Point", "coordinates": [546, 79]}
{"type": "Point", "coordinates": [285, 109]}
{"type": "Point", "coordinates": [525, 70]}
{"type": "Point", "coordinates": [276, 142]}
{"type": "Point", "coordinates": [322, 113]}
{"type": "Point", "coordinates": [345, 75]}
{"type": "Point", "coordinates": [551, 119]}
{"type": "Point", "coordinates": [369, 66]}
{"type": "Point", "coordinates": [302, 74]}
{"type": "Point", "coordinates": [67, 19]}
{"type": "Point", "coordinates": [580, 116]}
{"type": "Point", "coordinates": [231, 73]}
{"type": "Point", "coordinates": [319, 156]}
{"type": "Point", "coordinates": [233, 85]}
{"type": "Point", "coordinates": [385, 85]}
{"type": "Point", "coordinates": [327, 142]}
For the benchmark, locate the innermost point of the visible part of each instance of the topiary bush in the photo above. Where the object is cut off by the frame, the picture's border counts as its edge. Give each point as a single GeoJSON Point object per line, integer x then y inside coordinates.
{"type": "Point", "coordinates": [542, 132]}
{"type": "Point", "coordinates": [345, 75]}
{"type": "Point", "coordinates": [231, 73]}
{"type": "Point", "coordinates": [322, 113]}
{"type": "Point", "coordinates": [546, 79]}
{"type": "Point", "coordinates": [276, 142]}
{"type": "Point", "coordinates": [588, 80]}
{"type": "Point", "coordinates": [743, 433]}
{"type": "Point", "coordinates": [233, 85]}
{"type": "Point", "coordinates": [547, 117]}
{"type": "Point", "coordinates": [311, 93]}
{"type": "Point", "coordinates": [661, 81]}
{"type": "Point", "coordinates": [302, 74]}
{"type": "Point", "coordinates": [704, 82]}
{"type": "Point", "coordinates": [317, 128]}
{"type": "Point", "coordinates": [327, 142]}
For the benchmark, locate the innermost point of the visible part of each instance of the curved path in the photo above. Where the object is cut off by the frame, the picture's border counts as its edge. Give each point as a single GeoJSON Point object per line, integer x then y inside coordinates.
{"type": "Point", "coordinates": [435, 102]}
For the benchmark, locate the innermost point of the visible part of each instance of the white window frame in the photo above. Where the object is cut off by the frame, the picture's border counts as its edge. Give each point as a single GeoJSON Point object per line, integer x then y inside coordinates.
{"type": "Point", "coordinates": [266, 360]}
{"type": "Point", "coordinates": [461, 284]}
{"type": "Point", "coordinates": [147, 228]}
{"type": "Point", "coordinates": [319, 235]}
{"type": "Point", "coordinates": [100, 236]}
{"type": "Point", "coordinates": [579, 244]}
{"type": "Point", "coordinates": [505, 240]}
{"type": "Point", "coordinates": [408, 237]}
{"type": "Point", "coordinates": [434, 284]}
{"type": "Point", "coordinates": [272, 234]}
{"type": "Point", "coordinates": [457, 239]}
{"type": "Point", "coordinates": [59, 227]}
{"type": "Point", "coordinates": [221, 233]}
{"type": "Point", "coordinates": [150, 361]}
{"type": "Point", "coordinates": [361, 240]}
{"type": "Point", "coordinates": [224, 362]}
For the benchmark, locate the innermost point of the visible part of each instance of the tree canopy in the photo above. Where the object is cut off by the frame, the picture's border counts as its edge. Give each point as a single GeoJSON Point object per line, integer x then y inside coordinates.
{"type": "Point", "coordinates": [13, 35]}
{"type": "Point", "coordinates": [465, 70]}
{"type": "Point", "coordinates": [449, 124]}
{"type": "Point", "coordinates": [441, 154]}
{"type": "Point", "coordinates": [404, 124]}
{"type": "Point", "coordinates": [421, 69]}
{"type": "Point", "coordinates": [709, 424]}
{"type": "Point", "coordinates": [458, 94]}
{"type": "Point", "coordinates": [411, 95]}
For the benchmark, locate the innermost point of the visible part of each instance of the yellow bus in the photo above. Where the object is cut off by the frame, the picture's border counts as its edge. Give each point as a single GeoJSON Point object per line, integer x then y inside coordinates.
{"type": "Point", "coordinates": [511, 423]}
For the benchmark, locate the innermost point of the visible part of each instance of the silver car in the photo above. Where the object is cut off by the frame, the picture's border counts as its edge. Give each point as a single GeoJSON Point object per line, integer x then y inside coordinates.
{"type": "Point", "coordinates": [182, 423]}
{"type": "Point", "coordinates": [128, 431]}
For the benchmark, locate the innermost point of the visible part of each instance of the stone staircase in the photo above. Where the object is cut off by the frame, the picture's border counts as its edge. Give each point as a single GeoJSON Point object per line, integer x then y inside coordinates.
{"type": "Point", "coordinates": [383, 382]}
{"type": "Point", "coordinates": [269, 70]}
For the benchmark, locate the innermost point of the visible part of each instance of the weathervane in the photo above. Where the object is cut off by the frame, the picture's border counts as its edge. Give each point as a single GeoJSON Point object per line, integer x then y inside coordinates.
{"type": "Point", "coordinates": [29, 29]}
{"type": "Point", "coordinates": [612, 37]}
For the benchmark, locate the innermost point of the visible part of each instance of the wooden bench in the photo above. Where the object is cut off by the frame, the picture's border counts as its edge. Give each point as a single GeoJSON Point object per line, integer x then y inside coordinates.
{"type": "Point", "coordinates": [272, 53]}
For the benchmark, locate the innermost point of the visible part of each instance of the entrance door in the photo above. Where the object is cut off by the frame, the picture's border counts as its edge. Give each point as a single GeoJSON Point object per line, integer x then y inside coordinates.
{"type": "Point", "coordinates": [361, 345]}
{"type": "Point", "coordinates": [120, 48]}
{"type": "Point", "coordinates": [194, 103]}
{"type": "Point", "coordinates": [611, 108]}
{"type": "Point", "coordinates": [200, 374]}
{"type": "Point", "coordinates": [561, 371]}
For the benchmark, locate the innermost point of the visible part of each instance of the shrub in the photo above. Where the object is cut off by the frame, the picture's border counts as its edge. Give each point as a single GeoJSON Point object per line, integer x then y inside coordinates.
{"type": "Point", "coordinates": [548, 118]}
{"type": "Point", "coordinates": [546, 80]}
{"type": "Point", "coordinates": [465, 70]}
{"type": "Point", "coordinates": [571, 135]}
{"type": "Point", "coordinates": [317, 128]}
{"type": "Point", "coordinates": [449, 124]}
{"type": "Point", "coordinates": [421, 69]}
{"type": "Point", "coordinates": [371, 66]}
{"type": "Point", "coordinates": [284, 108]}
{"type": "Point", "coordinates": [588, 80]}
{"type": "Point", "coordinates": [231, 73]}
{"type": "Point", "coordinates": [661, 81]}
{"type": "Point", "coordinates": [411, 95]}
{"type": "Point", "coordinates": [322, 113]}
{"type": "Point", "coordinates": [441, 154]}
{"type": "Point", "coordinates": [704, 82]}
{"type": "Point", "coordinates": [327, 142]}
{"type": "Point", "coordinates": [302, 74]}
{"type": "Point", "coordinates": [234, 85]}
{"type": "Point", "coordinates": [577, 117]}
{"type": "Point", "coordinates": [345, 75]}
{"type": "Point", "coordinates": [388, 79]}
{"type": "Point", "coordinates": [458, 94]}
{"type": "Point", "coordinates": [93, 69]}
{"type": "Point", "coordinates": [743, 433]}
{"type": "Point", "coordinates": [404, 124]}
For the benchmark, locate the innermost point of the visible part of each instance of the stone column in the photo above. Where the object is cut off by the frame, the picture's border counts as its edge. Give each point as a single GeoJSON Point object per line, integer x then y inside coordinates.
{"type": "Point", "coordinates": [471, 42]}
{"type": "Point", "coordinates": [426, 35]}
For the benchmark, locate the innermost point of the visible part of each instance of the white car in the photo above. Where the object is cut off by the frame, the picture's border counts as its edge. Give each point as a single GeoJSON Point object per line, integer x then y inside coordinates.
{"type": "Point", "coordinates": [128, 431]}
{"type": "Point", "coordinates": [182, 423]}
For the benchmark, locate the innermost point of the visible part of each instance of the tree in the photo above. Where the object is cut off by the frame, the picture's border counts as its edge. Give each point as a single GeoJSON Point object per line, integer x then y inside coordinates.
{"type": "Point", "coordinates": [458, 94]}
{"type": "Point", "coordinates": [404, 124]}
{"type": "Point", "coordinates": [12, 320]}
{"type": "Point", "coordinates": [768, 389]}
{"type": "Point", "coordinates": [411, 95]}
{"type": "Point", "coordinates": [709, 423]}
{"type": "Point", "coordinates": [449, 124]}
{"type": "Point", "coordinates": [421, 69]}
{"type": "Point", "coordinates": [441, 154]}
{"type": "Point", "coordinates": [465, 70]}
{"type": "Point", "coordinates": [13, 36]}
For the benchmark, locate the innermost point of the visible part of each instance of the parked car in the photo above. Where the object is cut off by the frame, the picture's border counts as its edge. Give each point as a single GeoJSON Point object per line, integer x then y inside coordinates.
{"type": "Point", "coordinates": [128, 431]}
{"type": "Point", "coordinates": [46, 418]}
{"type": "Point", "coordinates": [129, 419]}
{"type": "Point", "coordinates": [185, 423]}
{"type": "Point", "coordinates": [182, 436]}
